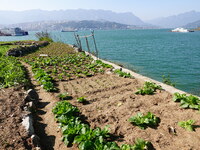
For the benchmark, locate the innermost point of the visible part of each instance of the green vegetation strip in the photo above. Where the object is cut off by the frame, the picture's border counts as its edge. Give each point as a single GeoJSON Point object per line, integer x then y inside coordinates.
{"type": "Point", "coordinates": [5, 48]}
{"type": "Point", "coordinates": [12, 72]}
{"type": "Point", "coordinates": [190, 101]}
{"type": "Point", "coordinates": [76, 132]}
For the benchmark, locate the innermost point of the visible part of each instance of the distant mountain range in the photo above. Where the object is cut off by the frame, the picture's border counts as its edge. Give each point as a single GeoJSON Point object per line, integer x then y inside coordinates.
{"type": "Point", "coordinates": [193, 25]}
{"type": "Point", "coordinates": [176, 20]}
{"type": "Point", "coordinates": [13, 17]}
{"type": "Point", "coordinates": [105, 19]}
{"type": "Point", "coordinates": [72, 25]}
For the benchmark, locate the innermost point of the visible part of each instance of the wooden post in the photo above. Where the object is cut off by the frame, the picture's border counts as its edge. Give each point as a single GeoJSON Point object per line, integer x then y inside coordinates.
{"type": "Point", "coordinates": [79, 42]}
{"type": "Point", "coordinates": [86, 39]}
{"type": "Point", "coordinates": [76, 40]}
{"type": "Point", "coordinates": [97, 54]}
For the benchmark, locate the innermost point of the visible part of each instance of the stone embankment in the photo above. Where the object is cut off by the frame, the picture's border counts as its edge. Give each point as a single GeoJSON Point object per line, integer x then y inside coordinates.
{"type": "Point", "coordinates": [25, 48]}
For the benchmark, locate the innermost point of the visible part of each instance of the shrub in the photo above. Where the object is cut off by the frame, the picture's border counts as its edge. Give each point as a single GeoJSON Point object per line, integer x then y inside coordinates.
{"type": "Point", "coordinates": [44, 36]}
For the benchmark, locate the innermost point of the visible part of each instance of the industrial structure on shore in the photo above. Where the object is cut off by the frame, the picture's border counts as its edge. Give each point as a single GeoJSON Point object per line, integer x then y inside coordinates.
{"type": "Point", "coordinates": [12, 32]}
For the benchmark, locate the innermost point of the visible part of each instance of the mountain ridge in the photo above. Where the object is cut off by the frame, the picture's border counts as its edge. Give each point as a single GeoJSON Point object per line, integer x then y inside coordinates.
{"type": "Point", "coordinates": [72, 25]}
{"type": "Point", "coordinates": [178, 20]}
{"type": "Point", "coordinates": [13, 17]}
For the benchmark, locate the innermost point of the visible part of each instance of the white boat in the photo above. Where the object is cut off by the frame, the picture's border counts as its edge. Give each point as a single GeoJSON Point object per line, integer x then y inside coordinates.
{"type": "Point", "coordinates": [180, 30]}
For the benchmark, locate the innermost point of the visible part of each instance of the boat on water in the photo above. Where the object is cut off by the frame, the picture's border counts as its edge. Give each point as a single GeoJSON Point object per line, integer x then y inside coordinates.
{"type": "Point", "coordinates": [69, 30]}
{"type": "Point", "coordinates": [181, 30]}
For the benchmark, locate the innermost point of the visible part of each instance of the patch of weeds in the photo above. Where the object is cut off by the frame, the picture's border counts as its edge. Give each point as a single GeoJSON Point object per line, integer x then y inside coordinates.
{"type": "Point", "coordinates": [167, 80]}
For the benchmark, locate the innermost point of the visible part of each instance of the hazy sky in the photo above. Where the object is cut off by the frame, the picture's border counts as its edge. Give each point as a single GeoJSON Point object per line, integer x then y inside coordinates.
{"type": "Point", "coordinates": [145, 9]}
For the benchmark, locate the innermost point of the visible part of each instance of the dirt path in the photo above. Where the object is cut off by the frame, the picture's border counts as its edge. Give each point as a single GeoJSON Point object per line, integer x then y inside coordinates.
{"type": "Point", "coordinates": [45, 126]}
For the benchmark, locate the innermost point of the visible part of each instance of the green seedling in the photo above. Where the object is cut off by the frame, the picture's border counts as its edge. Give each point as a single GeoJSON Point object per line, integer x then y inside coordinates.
{"type": "Point", "coordinates": [188, 125]}
{"type": "Point", "coordinates": [82, 100]}
{"type": "Point", "coordinates": [122, 74]}
{"type": "Point", "coordinates": [190, 101]}
{"type": "Point", "coordinates": [141, 144]}
{"type": "Point", "coordinates": [64, 96]}
{"type": "Point", "coordinates": [144, 121]}
{"type": "Point", "coordinates": [149, 88]}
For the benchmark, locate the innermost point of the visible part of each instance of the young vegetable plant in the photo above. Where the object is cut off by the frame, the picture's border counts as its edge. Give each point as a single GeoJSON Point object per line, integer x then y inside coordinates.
{"type": "Point", "coordinates": [190, 101]}
{"type": "Point", "coordinates": [82, 100]}
{"type": "Point", "coordinates": [141, 144]}
{"type": "Point", "coordinates": [64, 96]}
{"type": "Point", "coordinates": [148, 89]}
{"type": "Point", "coordinates": [89, 137]}
{"type": "Point", "coordinates": [122, 74]}
{"type": "Point", "coordinates": [188, 125]}
{"type": "Point", "coordinates": [144, 121]}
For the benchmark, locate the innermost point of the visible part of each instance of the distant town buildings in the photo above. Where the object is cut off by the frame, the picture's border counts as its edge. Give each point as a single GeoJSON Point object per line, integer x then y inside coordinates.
{"type": "Point", "coordinates": [12, 32]}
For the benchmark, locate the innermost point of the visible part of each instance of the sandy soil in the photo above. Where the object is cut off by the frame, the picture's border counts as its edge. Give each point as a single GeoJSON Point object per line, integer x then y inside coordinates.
{"type": "Point", "coordinates": [112, 102]}
{"type": "Point", "coordinates": [12, 134]}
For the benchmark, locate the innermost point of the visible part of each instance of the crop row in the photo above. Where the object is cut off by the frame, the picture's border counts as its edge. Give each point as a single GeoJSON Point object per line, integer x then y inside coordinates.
{"type": "Point", "coordinates": [12, 72]}
{"type": "Point", "coordinates": [76, 132]}
{"type": "Point", "coordinates": [71, 66]}
{"type": "Point", "coordinates": [44, 79]}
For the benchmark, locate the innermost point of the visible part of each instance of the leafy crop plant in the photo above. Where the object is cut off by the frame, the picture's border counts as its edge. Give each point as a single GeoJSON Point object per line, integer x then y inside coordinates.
{"type": "Point", "coordinates": [144, 121]}
{"type": "Point", "coordinates": [148, 89]}
{"type": "Point", "coordinates": [188, 125]}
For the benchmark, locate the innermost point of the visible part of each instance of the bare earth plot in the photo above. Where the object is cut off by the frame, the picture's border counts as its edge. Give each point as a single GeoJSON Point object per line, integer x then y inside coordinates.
{"type": "Point", "coordinates": [112, 102]}
{"type": "Point", "coordinates": [12, 133]}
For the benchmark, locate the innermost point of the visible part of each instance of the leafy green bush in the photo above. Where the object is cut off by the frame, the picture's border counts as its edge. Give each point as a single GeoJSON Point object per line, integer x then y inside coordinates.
{"type": "Point", "coordinates": [122, 74]}
{"type": "Point", "coordinates": [190, 101]}
{"type": "Point", "coordinates": [144, 121]}
{"type": "Point", "coordinates": [12, 72]}
{"type": "Point", "coordinates": [188, 125]}
{"type": "Point", "coordinates": [148, 89]}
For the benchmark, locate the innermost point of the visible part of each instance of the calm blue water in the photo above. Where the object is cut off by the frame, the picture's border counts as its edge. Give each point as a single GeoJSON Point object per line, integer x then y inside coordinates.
{"type": "Point", "coordinates": [152, 53]}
